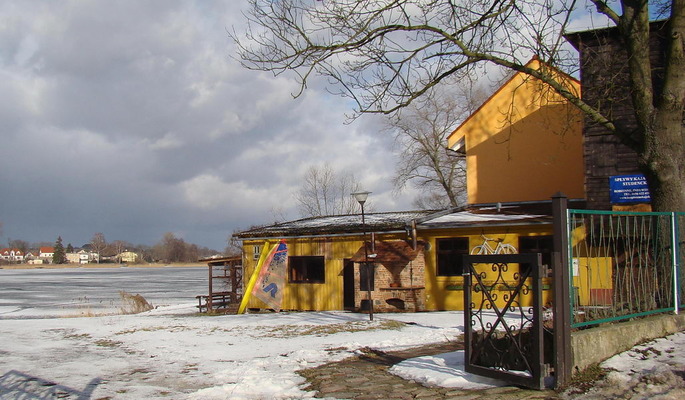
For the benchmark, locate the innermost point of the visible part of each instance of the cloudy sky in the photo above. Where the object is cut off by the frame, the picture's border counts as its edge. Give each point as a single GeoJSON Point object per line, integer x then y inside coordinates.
{"type": "Point", "coordinates": [131, 118]}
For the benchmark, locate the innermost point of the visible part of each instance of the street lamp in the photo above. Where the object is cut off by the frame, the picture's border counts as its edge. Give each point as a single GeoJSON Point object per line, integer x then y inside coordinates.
{"type": "Point", "coordinates": [361, 198]}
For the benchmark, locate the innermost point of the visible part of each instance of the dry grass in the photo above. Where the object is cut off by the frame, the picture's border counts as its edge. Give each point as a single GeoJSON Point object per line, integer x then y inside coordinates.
{"type": "Point", "coordinates": [174, 328]}
{"type": "Point", "coordinates": [107, 343]}
{"type": "Point", "coordinates": [134, 303]}
{"type": "Point", "coordinates": [324, 330]}
{"type": "Point", "coordinates": [584, 380]}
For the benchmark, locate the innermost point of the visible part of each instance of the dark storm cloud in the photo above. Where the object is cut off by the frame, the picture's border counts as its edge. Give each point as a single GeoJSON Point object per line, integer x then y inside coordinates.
{"type": "Point", "coordinates": [130, 118]}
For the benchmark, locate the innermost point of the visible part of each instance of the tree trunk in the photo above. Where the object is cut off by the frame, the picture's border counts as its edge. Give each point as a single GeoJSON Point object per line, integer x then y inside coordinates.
{"type": "Point", "coordinates": [659, 108]}
{"type": "Point", "coordinates": [664, 165]}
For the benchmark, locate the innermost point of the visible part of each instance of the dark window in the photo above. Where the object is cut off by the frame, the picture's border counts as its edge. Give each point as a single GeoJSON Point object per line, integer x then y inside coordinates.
{"type": "Point", "coordinates": [306, 269]}
{"type": "Point", "coordinates": [449, 255]}
{"type": "Point", "coordinates": [366, 277]}
{"type": "Point", "coordinates": [538, 244]}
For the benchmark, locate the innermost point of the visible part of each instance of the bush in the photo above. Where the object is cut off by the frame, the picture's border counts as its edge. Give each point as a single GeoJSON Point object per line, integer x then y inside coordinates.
{"type": "Point", "coordinates": [134, 304]}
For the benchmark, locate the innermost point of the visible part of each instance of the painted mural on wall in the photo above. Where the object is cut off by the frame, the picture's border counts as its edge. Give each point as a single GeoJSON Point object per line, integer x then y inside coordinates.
{"type": "Point", "coordinates": [271, 280]}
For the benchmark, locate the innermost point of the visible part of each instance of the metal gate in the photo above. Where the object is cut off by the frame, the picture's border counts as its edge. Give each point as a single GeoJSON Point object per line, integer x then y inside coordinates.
{"type": "Point", "coordinates": [503, 318]}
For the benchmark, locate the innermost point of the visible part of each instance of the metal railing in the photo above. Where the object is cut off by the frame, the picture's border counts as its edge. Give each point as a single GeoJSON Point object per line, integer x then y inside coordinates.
{"type": "Point", "coordinates": [624, 265]}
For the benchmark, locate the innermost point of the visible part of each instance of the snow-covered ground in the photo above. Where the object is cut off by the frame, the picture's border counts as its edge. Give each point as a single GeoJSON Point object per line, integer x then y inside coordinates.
{"type": "Point", "coordinates": [653, 370]}
{"type": "Point", "coordinates": [171, 352]}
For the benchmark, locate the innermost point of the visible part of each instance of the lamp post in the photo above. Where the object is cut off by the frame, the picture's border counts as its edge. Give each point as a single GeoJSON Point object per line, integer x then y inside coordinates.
{"type": "Point", "coordinates": [361, 198]}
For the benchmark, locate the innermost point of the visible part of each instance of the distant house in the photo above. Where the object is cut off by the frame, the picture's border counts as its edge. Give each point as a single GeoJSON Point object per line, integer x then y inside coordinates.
{"type": "Point", "coordinates": [46, 253]}
{"type": "Point", "coordinates": [72, 258]}
{"type": "Point", "coordinates": [127, 257]}
{"type": "Point", "coordinates": [12, 255]}
{"type": "Point", "coordinates": [80, 257]}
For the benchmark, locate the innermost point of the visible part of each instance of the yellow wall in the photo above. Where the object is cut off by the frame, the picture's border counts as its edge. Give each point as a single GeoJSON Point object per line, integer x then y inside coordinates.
{"type": "Point", "coordinates": [312, 296]}
{"type": "Point", "coordinates": [442, 292]}
{"type": "Point", "coordinates": [523, 144]}
{"type": "Point", "coordinates": [445, 292]}
{"type": "Point", "coordinates": [592, 270]}
{"type": "Point", "coordinates": [592, 273]}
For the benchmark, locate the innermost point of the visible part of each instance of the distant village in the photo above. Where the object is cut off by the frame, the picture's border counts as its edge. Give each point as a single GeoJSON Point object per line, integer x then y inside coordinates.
{"type": "Point", "coordinates": [170, 249]}
{"type": "Point", "coordinates": [46, 254]}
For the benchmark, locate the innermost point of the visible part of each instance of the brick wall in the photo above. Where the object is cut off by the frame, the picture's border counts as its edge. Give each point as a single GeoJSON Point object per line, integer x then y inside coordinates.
{"type": "Point", "coordinates": [398, 287]}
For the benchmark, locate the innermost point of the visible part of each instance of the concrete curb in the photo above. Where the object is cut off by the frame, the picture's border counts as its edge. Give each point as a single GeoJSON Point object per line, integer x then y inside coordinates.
{"type": "Point", "coordinates": [595, 345]}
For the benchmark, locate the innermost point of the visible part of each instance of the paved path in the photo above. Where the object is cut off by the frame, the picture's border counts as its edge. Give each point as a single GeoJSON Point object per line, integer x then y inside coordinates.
{"type": "Point", "coordinates": [366, 377]}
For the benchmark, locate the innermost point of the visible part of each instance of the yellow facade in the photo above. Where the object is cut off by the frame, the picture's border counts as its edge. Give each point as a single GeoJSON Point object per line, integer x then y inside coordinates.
{"type": "Point", "coordinates": [446, 292]}
{"type": "Point", "coordinates": [523, 144]}
{"type": "Point", "coordinates": [311, 296]}
{"type": "Point", "coordinates": [441, 292]}
{"type": "Point", "coordinates": [592, 271]}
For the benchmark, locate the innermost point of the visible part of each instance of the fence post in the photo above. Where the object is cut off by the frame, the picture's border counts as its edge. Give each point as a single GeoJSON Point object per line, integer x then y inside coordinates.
{"type": "Point", "coordinates": [563, 358]}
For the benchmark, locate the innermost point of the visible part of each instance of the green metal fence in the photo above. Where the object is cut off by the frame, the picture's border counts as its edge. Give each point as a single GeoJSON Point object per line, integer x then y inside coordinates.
{"type": "Point", "coordinates": [624, 265]}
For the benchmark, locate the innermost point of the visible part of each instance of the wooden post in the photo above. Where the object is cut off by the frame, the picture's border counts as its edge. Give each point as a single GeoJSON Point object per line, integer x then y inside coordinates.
{"type": "Point", "coordinates": [211, 290]}
{"type": "Point", "coordinates": [563, 358]}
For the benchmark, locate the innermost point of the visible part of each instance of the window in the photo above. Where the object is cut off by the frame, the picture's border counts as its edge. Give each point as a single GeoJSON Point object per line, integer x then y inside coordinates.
{"type": "Point", "coordinates": [538, 244]}
{"type": "Point", "coordinates": [306, 269]}
{"type": "Point", "coordinates": [367, 277]}
{"type": "Point", "coordinates": [449, 253]}
{"type": "Point", "coordinates": [257, 252]}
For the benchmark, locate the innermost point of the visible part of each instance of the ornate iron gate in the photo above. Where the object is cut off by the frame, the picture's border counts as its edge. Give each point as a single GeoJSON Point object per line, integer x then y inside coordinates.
{"type": "Point", "coordinates": [503, 318]}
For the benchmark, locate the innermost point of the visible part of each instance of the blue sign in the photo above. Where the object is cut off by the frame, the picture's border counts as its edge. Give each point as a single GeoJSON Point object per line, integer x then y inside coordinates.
{"type": "Point", "coordinates": [629, 189]}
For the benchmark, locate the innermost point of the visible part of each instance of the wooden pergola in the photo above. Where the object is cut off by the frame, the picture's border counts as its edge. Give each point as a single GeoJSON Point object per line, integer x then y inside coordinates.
{"type": "Point", "coordinates": [225, 281]}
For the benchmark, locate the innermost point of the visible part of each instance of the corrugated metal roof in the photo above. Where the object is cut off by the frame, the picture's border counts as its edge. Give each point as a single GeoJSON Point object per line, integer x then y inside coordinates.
{"type": "Point", "coordinates": [484, 215]}
{"type": "Point", "coordinates": [497, 215]}
{"type": "Point", "coordinates": [337, 224]}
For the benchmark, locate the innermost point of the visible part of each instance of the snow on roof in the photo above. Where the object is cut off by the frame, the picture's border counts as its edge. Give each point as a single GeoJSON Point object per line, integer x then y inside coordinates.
{"type": "Point", "coordinates": [337, 224]}
{"type": "Point", "coordinates": [471, 218]}
{"type": "Point", "coordinates": [396, 221]}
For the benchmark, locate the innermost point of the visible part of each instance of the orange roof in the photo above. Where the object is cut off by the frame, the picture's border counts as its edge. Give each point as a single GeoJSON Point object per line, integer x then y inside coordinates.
{"type": "Point", "coordinates": [8, 250]}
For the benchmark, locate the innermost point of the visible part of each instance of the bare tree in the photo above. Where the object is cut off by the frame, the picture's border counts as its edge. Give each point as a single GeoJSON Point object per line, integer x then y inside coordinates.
{"type": "Point", "coordinates": [22, 245]}
{"type": "Point", "coordinates": [98, 244]}
{"type": "Point", "coordinates": [384, 54]}
{"type": "Point", "coordinates": [234, 247]}
{"type": "Point", "coordinates": [421, 130]}
{"type": "Point", "coordinates": [173, 248]}
{"type": "Point", "coordinates": [325, 192]}
{"type": "Point", "coordinates": [192, 252]}
{"type": "Point", "coordinates": [117, 247]}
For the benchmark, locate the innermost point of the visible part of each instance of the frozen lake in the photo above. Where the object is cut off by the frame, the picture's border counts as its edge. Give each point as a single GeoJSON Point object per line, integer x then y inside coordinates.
{"type": "Point", "coordinates": [31, 293]}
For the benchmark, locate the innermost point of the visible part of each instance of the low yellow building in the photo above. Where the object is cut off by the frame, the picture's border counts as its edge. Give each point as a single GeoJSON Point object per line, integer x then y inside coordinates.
{"type": "Point", "coordinates": [416, 256]}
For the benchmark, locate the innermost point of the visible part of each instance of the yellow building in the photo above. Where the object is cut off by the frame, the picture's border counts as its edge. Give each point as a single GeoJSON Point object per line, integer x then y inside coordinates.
{"type": "Point", "coordinates": [416, 256]}
{"type": "Point", "coordinates": [524, 143]}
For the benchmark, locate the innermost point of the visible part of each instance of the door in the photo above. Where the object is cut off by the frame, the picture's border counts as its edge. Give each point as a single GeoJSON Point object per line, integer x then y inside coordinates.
{"type": "Point", "coordinates": [348, 284]}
